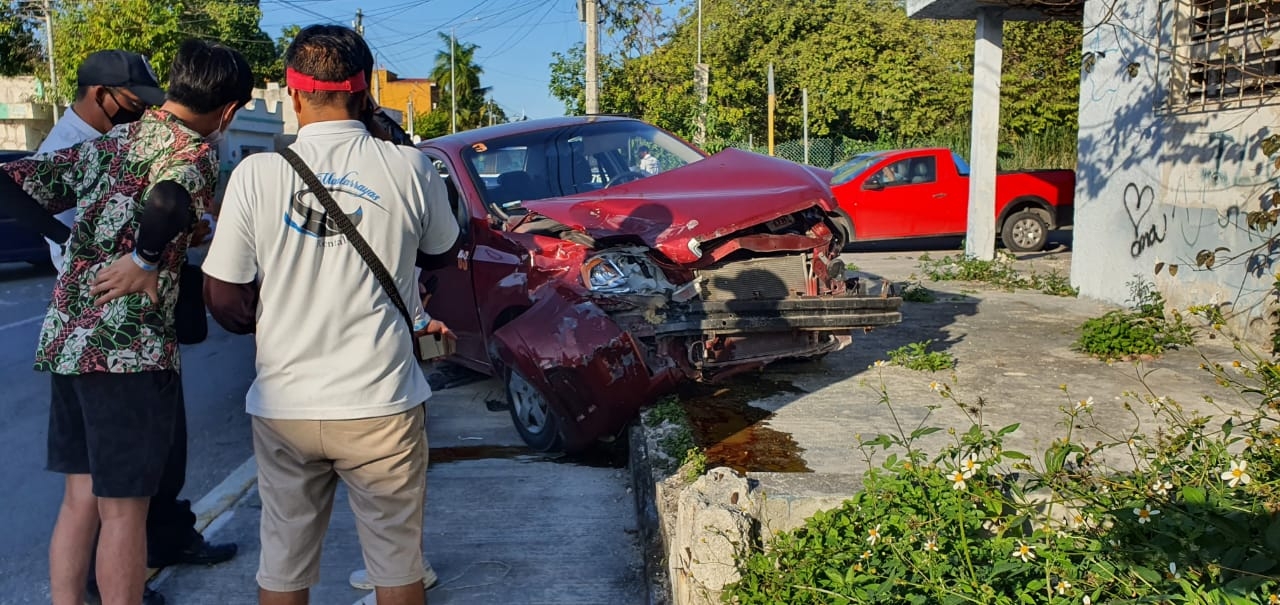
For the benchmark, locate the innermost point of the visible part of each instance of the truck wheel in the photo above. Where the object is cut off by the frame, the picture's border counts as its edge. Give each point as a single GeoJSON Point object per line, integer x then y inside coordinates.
{"type": "Point", "coordinates": [536, 422]}
{"type": "Point", "coordinates": [1024, 231]}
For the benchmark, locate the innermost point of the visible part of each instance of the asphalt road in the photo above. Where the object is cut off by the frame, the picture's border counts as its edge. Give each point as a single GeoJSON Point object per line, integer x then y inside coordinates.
{"type": "Point", "coordinates": [217, 373]}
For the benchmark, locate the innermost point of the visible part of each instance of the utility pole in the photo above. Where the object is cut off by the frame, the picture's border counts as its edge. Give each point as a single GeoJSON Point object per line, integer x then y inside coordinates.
{"type": "Point", "coordinates": [773, 101]}
{"type": "Point", "coordinates": [593, 51]}
{"type": "Point", "coordinates": [53, 73]}
{"type": "Point", "coordinates": [453, 81]}
{"type": "Point", "coordinates": [410, 110]}
{"type": "Point", "coordinates": [805, 94]}
{"type": "Point", "coordinates": [358, 25]}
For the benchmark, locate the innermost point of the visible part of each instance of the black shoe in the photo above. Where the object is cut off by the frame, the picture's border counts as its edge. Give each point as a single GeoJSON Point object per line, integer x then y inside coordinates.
{"type": "Point", "coordinates": [149, 597]}
{"type": "Point", "coordinates": [199, 552]}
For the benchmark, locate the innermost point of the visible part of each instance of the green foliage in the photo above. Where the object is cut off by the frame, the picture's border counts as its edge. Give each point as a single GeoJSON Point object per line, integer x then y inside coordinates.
{"type": "Point", "coordinates": [676, 445]}
{"type": "Point", "coordinates": [917, 356]}
{"type": "Point", "coordinates": [457, 59]}
{"type": "Point", "coordinates": [872, 73]}
{"type": "Point", "coordinates": [918, 293]}
{"type": "Point", "coordinates": [1143, 330]}
{"type": "Point", "coordinates": [20, 52]}
{"type": "Point", "coordinates": [156, 29]}
{"type": "Point", "coordinates": [1190, 520]}
{"type": "Point", "coordinates": [694, 465]}
{"type": "Point", "coordinates": [997, 272]}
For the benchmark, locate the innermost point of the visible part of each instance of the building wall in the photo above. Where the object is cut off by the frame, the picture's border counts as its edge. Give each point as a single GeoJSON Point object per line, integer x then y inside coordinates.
{"type": "Point", "coordinates": [394, 93]}
{"type": "Point", "coordinates": [1159, 186]}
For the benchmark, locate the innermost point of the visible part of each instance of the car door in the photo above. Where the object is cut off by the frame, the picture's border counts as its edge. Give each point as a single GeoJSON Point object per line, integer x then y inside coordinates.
{"type": "Point", "coordinates": [453, 300]}
{"type": "Point", "coordinates": [929, 208]}
{"type": "Point", "coordinates": [879, 211]}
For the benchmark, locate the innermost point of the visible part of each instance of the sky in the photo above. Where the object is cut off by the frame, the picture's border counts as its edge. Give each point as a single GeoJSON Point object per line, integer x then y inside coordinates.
{"type": "Point", "coordinates": [516, 39]}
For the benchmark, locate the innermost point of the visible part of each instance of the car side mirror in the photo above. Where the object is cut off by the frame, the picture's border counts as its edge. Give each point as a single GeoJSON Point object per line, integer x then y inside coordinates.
{"type": "Point", "coordinates": [873, 184]}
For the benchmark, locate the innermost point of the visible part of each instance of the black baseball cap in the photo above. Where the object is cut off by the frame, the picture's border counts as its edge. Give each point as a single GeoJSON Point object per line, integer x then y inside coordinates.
{"type": "Point", "coordinates": [121, 69]}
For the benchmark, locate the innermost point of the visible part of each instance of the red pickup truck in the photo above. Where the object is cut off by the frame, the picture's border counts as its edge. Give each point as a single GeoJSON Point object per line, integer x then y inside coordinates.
{"type": "Point", "coordinates": [925, 192]}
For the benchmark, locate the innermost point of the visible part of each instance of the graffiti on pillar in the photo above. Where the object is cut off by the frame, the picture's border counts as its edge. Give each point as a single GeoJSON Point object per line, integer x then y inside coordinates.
{"type": "Point", "coordinates": [1148, 229]}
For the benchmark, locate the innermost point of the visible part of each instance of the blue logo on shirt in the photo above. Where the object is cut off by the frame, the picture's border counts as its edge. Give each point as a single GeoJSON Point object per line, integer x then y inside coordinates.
{"type": "Point", "coordinates": [313, 222]}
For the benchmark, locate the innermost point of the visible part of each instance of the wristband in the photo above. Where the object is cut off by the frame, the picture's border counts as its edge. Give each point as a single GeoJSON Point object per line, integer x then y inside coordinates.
{"type": "Point", "coordinates": [137, 260]}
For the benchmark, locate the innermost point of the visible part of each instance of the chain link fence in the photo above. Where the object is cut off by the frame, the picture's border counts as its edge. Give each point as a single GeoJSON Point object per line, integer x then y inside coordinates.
{"type": "Point", "coordinates": [1051, 150]}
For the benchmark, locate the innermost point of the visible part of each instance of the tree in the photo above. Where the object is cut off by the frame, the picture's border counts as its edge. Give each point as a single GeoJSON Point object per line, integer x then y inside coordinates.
{"type": "Point", "coordinates": [157, 29]}
{"type": "Point", "coordinates": [275, 73]}
{"type": "Point", "coordinates": [457, 59]}
{"type": "Point", "coordinates": [20, 52]}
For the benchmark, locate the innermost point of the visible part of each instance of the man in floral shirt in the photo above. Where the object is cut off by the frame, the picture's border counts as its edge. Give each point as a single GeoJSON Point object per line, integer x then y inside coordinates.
{"type": "Point", "coordinates": [114, 355]}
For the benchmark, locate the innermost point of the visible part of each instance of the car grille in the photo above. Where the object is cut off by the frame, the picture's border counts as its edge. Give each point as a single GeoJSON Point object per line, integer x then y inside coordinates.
{"type": "Point", "coordinates": [768, 278]}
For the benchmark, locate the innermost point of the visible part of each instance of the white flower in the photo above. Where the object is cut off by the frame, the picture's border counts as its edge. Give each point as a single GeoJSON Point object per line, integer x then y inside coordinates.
{"type": "Point", "coordinates": [935, 385]}
{"type": "Point", "coordinates": [1062, 586]}
{"type": "Point", "coordinates": [1084, 404]}
{"type": "Point", "coordinates": [1161, 487]}
{"type": "Point", "coordinates": [1087, 600]}
{"type": "Point", "coordinates": [931, 545]}
{"type": "Point", "coordinates": [957, 479]}
{"type": "Point", "coordinates": [873, 536]}
{"type": "Point", "coordinates": [969, 465]}
{"type": "Point", "coordinates": [1237, 474]}
{"type": "Point", "coordinates": [1145, 513]}
{"type": "Point", "coordinates": [1173, 571]}
{"type": "Point", "coordinates": [866, 554]}
{"type": "Point", "coordinates": [1024, 552]}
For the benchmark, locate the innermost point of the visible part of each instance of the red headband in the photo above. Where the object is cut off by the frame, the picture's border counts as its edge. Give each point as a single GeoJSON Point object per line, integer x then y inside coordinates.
{"type": "Point", "coordinates": [303, 83]}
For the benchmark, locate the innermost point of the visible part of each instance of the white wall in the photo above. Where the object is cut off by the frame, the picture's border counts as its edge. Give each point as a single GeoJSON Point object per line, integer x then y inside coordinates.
{"type": "Point", "coordinates": [1155, 186]}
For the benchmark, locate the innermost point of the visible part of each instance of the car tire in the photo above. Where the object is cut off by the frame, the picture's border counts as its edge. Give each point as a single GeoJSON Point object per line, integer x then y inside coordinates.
{"type": "Point", "coordinates": [1024, 231]}
{"type": "Point", "coordinates": [533, 416]}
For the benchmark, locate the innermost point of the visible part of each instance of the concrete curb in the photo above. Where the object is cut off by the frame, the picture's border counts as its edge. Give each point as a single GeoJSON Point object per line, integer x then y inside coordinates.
{"type": "Point", "coordinates": [652, 548]}
{"type": "Point", "coordinates": [221, 498]}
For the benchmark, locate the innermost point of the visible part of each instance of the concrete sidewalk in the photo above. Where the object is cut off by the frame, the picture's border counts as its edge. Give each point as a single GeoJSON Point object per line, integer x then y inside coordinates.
{"type": "Point", "coordinates": [502, 525]}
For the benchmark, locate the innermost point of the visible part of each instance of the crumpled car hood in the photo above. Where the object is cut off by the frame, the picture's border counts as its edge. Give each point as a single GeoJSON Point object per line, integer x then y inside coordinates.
{"type": "Point", "coordinates": [709, 199]}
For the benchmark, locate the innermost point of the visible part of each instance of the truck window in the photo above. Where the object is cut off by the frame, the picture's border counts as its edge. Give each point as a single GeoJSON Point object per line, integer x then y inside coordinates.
{"type": "Point", "coordinates": [962, 167]}
{"type": "Point", "coordinates": [923, 170]}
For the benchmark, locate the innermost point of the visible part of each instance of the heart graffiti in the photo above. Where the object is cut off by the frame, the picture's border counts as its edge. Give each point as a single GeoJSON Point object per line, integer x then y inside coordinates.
{"type": "Point", "coordinates": [1138, 202]}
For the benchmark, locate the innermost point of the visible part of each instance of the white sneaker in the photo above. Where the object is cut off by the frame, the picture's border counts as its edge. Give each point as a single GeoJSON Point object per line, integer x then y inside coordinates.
{"type": "Point", "coordinates": [360, 578]}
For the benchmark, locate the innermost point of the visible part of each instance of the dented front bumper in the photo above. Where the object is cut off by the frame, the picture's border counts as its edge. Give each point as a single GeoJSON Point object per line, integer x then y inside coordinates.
{"type": "Point", "coordinates": [598, 367]}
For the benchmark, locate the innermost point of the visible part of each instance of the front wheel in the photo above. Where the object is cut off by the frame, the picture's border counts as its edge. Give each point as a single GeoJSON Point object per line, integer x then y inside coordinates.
{"type": "Point", "coordinates": [1024, 231]}
{"type": "Point", "coordinates": [536, 422]}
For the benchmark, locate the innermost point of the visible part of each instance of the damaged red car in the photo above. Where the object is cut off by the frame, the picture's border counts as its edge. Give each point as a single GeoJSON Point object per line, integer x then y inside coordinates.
{"type": "Point", "coordinates": [605, 261]}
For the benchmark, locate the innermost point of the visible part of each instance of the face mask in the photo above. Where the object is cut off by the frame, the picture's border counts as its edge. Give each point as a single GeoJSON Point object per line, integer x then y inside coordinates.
{"type": "Point", "coordinates": [122, 115]}
{"type": "Point", "coordinates": [216, 136]}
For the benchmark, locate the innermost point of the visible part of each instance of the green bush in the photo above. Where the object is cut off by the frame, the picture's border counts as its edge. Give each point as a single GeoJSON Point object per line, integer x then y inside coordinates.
{"type": "Point", "coordinates": [917, 356]}
{"type": "Point", "coordinates": [1192, 519]}
{"type": "Point", "coordinates": [997, 272]}
{"type": "Point", "coordinates": [1143, 330]}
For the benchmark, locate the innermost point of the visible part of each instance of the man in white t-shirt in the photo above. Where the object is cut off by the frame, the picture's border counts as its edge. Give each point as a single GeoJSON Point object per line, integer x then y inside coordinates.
{"type": "Point", "coordinates": [338, 393]}
{"type": "Point", "coordinates": [113, 87]}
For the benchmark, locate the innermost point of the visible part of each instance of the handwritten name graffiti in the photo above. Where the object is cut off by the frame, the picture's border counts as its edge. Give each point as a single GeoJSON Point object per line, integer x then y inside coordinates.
{"type": "Point", "coordinates": [1138, 202]}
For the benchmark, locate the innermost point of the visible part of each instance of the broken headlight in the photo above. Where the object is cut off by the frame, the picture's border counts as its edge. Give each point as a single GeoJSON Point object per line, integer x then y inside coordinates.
{"type": "Point", "coordinates": [624, 271]}
{"type": "Point", "coordinates": [603, 275]}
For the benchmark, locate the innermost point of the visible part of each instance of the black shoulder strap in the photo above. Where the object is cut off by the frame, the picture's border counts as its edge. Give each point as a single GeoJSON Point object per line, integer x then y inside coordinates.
{"type": "Point", "coordinates": [339, 218]}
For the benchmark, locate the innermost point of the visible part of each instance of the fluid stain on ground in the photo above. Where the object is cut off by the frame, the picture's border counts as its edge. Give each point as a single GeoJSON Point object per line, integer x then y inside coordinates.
{"type": "Point", "coordinates": [732, 432]}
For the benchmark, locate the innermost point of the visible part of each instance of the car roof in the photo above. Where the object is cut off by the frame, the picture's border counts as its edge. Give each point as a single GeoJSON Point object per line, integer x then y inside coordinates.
{"type": "Point", "coordinates": [468, 138]}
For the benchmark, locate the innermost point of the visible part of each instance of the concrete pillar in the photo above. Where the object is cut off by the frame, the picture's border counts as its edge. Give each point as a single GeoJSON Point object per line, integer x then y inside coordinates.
{"type": "Point", "coordinates": [980, 241]}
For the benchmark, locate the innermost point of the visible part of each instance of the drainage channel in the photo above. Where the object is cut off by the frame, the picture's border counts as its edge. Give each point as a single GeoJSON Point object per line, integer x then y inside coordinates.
{"type": "Point", "coordinates": [733, 433]}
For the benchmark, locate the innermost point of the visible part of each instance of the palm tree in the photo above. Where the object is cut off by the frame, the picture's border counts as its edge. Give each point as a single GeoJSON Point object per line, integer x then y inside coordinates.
{"type": "Point", "coordinates": [457, 59]}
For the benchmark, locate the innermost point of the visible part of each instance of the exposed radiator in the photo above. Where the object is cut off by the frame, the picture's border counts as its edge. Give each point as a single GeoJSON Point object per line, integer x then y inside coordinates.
{"type": "Point", "coordinates": [767, 278]}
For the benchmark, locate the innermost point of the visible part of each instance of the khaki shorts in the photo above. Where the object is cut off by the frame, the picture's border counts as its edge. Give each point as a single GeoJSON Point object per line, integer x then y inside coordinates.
{"type": "Point", "coordinates": [383, 462]}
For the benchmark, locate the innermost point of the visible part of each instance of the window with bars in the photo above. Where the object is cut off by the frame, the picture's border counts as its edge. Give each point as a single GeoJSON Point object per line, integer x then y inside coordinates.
{"type": "Point", "coordinates": [1226, 51]}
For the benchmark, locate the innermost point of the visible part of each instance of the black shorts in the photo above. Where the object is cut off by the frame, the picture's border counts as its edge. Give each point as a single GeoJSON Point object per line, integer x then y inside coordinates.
{"type": "Point", "coordinates": [117, 428]}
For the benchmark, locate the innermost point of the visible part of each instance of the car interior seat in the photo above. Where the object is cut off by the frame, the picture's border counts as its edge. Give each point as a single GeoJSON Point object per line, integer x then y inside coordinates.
{"type": "Point", "coordinates": [922, 172]}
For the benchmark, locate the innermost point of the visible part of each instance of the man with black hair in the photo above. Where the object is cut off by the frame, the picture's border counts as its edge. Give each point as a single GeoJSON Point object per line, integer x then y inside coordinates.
{"type": "Point", "coordinates": [342, 399]}
{"type": "Point", "coordinates": [113, 354]}
{"type": "Point", "coordinates": [114, 88]}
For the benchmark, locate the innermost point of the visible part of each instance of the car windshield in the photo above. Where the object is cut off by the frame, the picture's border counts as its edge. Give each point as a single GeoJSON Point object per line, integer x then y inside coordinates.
{"type": "Point", "coordinates": [851, 169]}
{"type": "Point", "coordinates": [574, 159]}
{"type": "Point", "coordinates": [962, 167]}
